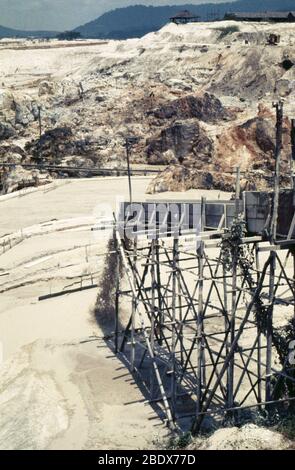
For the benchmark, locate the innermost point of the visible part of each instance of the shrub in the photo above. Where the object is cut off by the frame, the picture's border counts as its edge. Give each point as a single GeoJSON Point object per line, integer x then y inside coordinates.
{"type": "Point", "coordinates": [69, 36]}
{"type": "Point", "coordinates": [227, 30]}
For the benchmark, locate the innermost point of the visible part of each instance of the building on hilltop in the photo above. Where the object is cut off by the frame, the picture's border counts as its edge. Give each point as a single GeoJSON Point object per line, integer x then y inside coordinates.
{"type": "Point", "coordinates": [271, 16]}
{"type": "Point", "coordinates": [184, 17]}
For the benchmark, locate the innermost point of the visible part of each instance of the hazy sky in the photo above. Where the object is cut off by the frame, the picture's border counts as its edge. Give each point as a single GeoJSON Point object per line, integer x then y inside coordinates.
{"type": "Point", "coordinates": [65, 14]}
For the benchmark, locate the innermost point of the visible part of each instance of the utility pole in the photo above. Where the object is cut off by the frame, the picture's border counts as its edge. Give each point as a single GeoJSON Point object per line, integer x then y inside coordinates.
{"type": "Point", "coordinates": [40, 121]}
{"type": "Point", "coordinates": [40, 133]}
{"type": "Point", "coordinates": [129, 142]}
{"type": "Point", "coordinates": [293, 187]}
{"type": "Point", "coordinates": [128, 169]}
{"type": "Point", "coordinates": [237, 192]}
{"type": "Point", "coordinates": [273, 235]}
{"type": "Point", "coordinates": [279, 132]}
{"type": "Point", "coordinates": [81, 91]}
{"type": "Point", "coordinates": [293, 154]}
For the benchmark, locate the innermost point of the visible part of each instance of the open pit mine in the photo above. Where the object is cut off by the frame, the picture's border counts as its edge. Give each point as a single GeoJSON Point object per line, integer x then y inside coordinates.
{"type": "Point", "coordinates": [147, 240]}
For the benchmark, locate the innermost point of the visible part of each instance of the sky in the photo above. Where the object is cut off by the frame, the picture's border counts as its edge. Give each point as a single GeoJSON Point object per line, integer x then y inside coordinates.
{"type": "Point", "coordinates": [59, 15]}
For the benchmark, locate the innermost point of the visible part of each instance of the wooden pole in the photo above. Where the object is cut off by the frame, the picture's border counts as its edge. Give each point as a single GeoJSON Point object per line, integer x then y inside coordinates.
{"type": "Point", "coordinates": [231, 369]}
{"type": "Point", "coordinates": [160, 310]}
{"type": "Point", "coordinates": [237, 192]}
{"type": "Point", "coordinates": [200, 342]}
{"type": "Point", "coordinates": [279, 133]}
{"type": "Point", "coordinates": [269, 327]}
{"type": "Point", "coordinates": [274, 223]}
{"type": "Point", "coordinates": [259, 356]}
{"type": "Point", "coordinates": [232, 329]}
{"type": "Point", "coordinates": [134, 309]}
{"type": "Point", "coordinates": [153, 312]}
{"type": "Point", "coordinates": [128, 169]}
{"type": "Point", "coordinates": [180, 316]}
{"type": "Point", "coordinates": [293, 157]}
{"type": "Point", "coordinates": [293, 259]}
{"type": "Point", "coordinates": [173, 329]}
{"type": "Point", "coordinates": [40, 121]}
{"type": "Point", "coordinates": [117, 300]}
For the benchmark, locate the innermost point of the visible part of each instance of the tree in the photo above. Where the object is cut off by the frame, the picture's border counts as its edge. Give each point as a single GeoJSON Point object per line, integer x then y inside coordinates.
{"type": "Point", "coordinates": [69, 36]}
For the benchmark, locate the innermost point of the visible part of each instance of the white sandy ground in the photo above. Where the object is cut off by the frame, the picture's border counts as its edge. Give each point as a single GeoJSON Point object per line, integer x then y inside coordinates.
{"type": "Point", "coordinates": [249, 437]}
{"type": "Point", "coordinates": [61, 386]}
{"type": "Point", "coordinates": [57, 392]}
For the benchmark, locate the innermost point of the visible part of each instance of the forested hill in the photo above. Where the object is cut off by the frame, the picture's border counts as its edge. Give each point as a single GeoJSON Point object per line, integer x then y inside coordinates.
{"type": "Point", "coordinates": [136, 21]}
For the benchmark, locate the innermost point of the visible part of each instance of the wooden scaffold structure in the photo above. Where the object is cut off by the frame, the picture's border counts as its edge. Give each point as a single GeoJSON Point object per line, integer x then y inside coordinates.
{"type": "Point", "coordinates": [207, 307]}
